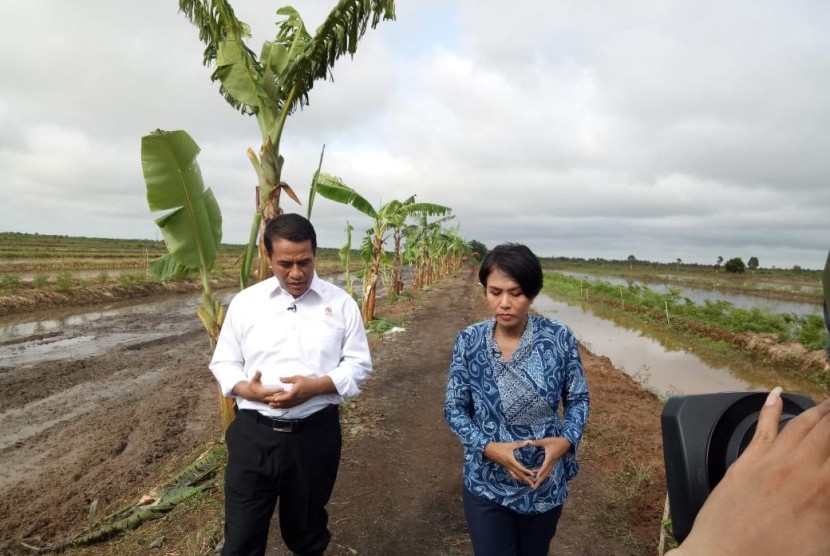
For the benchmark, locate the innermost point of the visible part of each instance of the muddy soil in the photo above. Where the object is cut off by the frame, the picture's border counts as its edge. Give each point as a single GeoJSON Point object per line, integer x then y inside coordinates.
{"type": "Point", "coordinates": [109, 424]}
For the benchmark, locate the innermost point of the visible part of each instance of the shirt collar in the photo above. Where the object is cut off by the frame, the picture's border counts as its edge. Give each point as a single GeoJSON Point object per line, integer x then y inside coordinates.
{"type": "Point", "coordinates": [315, 286]}
{"type": "Point", "coordinates": [525, 342]}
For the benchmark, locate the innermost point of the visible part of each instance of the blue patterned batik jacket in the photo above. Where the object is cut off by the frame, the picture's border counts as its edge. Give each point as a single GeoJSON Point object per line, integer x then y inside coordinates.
{"type": "Point", "coordinates": [490, 400]}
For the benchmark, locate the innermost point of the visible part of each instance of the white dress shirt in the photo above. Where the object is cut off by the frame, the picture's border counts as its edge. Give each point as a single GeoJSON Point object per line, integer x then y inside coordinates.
{"type": "Point", "coordinates": [317, 334]}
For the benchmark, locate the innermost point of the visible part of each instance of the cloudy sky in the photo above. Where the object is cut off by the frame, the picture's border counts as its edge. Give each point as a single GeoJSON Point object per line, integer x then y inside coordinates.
{"type": "Point", "coordinates": [659, 129]}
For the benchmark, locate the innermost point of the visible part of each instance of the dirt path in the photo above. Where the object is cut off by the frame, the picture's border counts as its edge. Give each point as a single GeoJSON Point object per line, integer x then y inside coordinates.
{"type": "Point", "coordinates": [141, 408]}
{"type": "Point", "coordinates": [399, 488]}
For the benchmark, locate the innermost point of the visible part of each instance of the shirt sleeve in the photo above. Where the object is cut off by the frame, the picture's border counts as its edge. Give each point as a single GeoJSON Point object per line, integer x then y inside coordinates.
{"type": "Point", "coordinates": [356, 359]}
{"type": "Point", "coordinates": [227, 364]}
{"type": "Point", "coordinates": [575, 399]}
{"type": "Point", "coordinates": [458, 405]}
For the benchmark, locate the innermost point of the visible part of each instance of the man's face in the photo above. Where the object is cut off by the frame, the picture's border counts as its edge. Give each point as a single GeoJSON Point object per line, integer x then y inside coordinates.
{"type": "Point", "coordinates": [292, 264]}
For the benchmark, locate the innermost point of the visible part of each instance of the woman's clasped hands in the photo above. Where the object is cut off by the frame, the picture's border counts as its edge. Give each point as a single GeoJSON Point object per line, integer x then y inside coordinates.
{"type": "Point", "coordinates": [504, 454]}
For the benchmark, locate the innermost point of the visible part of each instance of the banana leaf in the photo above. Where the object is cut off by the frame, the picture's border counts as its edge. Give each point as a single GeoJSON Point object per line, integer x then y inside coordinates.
{"type": "Point", "coordinates": [166, 267]}
{"type": "Point", "coordinates": [192, 229]}
{"type": "Point", "coordinates": [333, 189]}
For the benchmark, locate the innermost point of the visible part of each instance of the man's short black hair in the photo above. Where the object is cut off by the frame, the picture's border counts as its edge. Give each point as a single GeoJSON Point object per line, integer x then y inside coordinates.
{"type": "Point", "coordinates": [518, 262]}
{"type": "Point", "coordinates": [291, 227]}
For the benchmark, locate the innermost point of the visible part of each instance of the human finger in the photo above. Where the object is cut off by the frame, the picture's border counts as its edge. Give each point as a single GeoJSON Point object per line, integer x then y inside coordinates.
{"type": "Point", "coordinates": [546, 469]}
{"type": "Point", "coordinates": [512, 463]}
{"type": "Point", "coordinates": [767, 428]}
{"type": "Point", "coordinates": [815, 444]}
{"type": "Point", "coordinates": [522, 477]}
{"type": "Point", "coordinates": [802, 425]}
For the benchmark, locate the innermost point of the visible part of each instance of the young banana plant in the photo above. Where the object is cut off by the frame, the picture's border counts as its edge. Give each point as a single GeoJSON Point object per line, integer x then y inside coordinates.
{"type": "Point", "coordinates": [389, 216]}
{"type": "Point", "coordinates": [192, 225]}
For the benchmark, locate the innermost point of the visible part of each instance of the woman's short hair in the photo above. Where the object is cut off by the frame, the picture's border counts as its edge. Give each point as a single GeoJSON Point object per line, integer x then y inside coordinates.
{"type": "Point", "coordinates": [292, 227]}
{"type": "Point", "coordinates": [518, 262]}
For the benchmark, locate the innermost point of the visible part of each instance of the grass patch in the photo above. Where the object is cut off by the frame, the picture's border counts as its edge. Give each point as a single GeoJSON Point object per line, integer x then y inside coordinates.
{"type": "Point", "coordinates": [627, 485]}
{"type": "Point", "coordinates": [381, 324]}
{"type": "Point", "coordinates": [9, 282]}
{"type": "Point", "coordinates": [65, 282]}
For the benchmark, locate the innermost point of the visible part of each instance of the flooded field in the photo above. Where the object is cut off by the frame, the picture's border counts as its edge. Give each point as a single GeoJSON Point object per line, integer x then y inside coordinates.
{"type": "Point", "coordinates": [664, 370]}
{"type": "Point", "coordinates": [698, 295]}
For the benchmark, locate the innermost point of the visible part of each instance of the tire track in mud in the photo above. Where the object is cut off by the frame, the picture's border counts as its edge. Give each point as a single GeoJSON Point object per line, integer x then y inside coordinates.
{"type": "Point", "coordinates": [102, 424]}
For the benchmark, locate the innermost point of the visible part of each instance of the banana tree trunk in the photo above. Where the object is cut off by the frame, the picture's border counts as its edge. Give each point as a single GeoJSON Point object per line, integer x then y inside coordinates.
{"type": "Point", "coordinates": [396, 265]}
{"type": "Point", "coordinates": [371, 281]}
{"type": "Point", "coordinates": [369, 298]}
{"type": "Point", "coordinates": [268, 167]}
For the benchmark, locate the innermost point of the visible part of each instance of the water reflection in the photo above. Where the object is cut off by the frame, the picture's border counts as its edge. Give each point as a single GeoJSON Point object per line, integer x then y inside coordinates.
{"type": "Point", "coordinates": [645, 359]}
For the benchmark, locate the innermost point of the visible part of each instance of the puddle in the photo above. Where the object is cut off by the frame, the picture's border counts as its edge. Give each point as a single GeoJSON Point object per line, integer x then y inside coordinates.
{"type": "Point", "coordinates": [51, 334]}
{"type": "Point", "coordinates": [44, 336]}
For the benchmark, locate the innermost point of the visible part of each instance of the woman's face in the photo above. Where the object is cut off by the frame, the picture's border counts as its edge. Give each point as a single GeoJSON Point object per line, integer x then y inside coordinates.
{"type": "Point", "coordinates": [507, 301]}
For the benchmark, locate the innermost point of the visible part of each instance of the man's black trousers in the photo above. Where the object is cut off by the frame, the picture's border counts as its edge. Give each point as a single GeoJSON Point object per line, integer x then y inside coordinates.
{"type": "Point", "coordinates": [266, 464]}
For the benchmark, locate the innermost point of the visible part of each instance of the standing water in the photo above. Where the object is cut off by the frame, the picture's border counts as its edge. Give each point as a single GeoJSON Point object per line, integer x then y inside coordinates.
{"type": "Point", "coordinates": [666, 372]}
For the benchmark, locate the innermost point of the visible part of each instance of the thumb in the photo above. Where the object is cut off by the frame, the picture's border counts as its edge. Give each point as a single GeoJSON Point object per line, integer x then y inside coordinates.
{"type": "Point", "coordinates": [289, 379]}
{"type": "Point", "coordinates": [257, 378]}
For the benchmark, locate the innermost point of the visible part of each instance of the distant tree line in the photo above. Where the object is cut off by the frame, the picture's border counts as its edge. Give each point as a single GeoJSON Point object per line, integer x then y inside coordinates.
{"type": "Point", "coordinates": [733, 265]}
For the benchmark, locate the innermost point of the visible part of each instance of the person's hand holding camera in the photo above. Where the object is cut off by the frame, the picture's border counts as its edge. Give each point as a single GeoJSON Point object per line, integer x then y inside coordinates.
{"type": "Point", "coordinates": [775, 498]}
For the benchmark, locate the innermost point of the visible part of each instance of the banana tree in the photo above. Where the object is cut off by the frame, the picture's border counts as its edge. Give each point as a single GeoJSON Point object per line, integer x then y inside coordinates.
{"type": "Point", "coordinates": [345, 258]}
{"type": "Point", "coordinates": [192, 225]}
{"type": "Point", "coordinates": [421, 238]}
{"type": "Point", "coordinates": [397, 221]}
{"type": "Point", "coordinates": [448, 250]}
{"type": "Point", "coordinates": [274, 85]}
{"type": "Point", "coordinates": [460, 251]}
{"type": "Point", "coordinates": [387, 216]}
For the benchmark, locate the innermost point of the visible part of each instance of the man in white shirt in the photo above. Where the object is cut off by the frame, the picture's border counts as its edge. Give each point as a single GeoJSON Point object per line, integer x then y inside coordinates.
{"type": "Point", "coordinates": [292, 347]}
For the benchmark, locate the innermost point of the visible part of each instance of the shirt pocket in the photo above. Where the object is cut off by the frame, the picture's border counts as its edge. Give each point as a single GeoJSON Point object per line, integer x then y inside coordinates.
{"type": "Point", "coordinates": [321, 344]}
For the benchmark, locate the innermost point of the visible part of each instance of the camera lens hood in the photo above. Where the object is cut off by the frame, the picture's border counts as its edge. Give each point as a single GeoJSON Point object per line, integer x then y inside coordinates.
{"type": "Point", "coordinates": [702, 436]}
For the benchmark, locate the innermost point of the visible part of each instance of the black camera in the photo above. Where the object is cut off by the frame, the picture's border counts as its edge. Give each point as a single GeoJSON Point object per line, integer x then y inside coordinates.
{"type": "Point", "coordinates": [702, 436]}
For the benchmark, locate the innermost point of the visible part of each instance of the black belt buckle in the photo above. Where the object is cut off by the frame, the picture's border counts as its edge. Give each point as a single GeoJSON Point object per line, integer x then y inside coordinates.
{"type": "Point", "coordinates": [282, 425]}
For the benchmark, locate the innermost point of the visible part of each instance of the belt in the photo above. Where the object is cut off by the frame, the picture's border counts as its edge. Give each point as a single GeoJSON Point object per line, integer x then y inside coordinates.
{"type": "Point", "coordinates": [292, 425]}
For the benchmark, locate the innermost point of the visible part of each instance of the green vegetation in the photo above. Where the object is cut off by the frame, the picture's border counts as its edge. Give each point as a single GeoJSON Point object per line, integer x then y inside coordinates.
{"type": "Point", "coordinates": [388, 219]}
{"type": "Point", "coordinates": [381, 325]}
{"type": "Point", "coordinates": [794, 284]}
{"type": "Point", "coordinates": [65, 282]}
{"type": "Point", "coordinates": [735, 266]}
{"type": "Point", "coordinates": [722, 314]}
{"type": "Point", "coordinates": [8, 282]}
{"type": "Point", "coordinates": [713, 321]}
{"type": "Point", "coordinates": [478, 249]}
{"type": "Point", "coordinates": [274, 85]}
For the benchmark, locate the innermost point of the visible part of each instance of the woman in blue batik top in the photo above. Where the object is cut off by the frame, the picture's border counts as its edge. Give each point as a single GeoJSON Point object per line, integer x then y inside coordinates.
{"type": "Point", "coordinates": [507, 378]}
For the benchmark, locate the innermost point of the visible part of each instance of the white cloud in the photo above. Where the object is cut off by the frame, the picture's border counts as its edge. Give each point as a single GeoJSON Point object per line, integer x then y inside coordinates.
{"type": "Point", "coordinates": [584, 129]}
